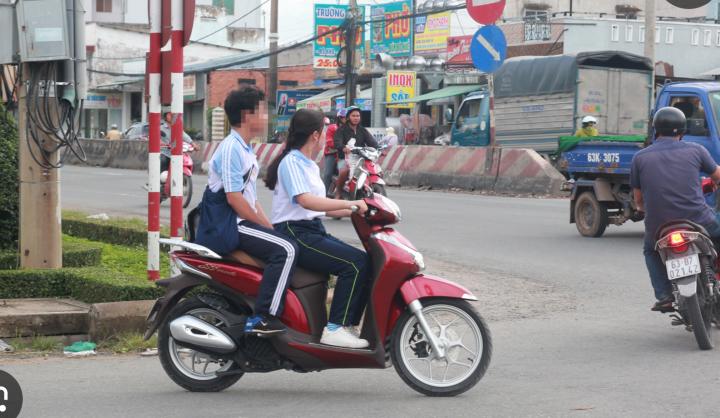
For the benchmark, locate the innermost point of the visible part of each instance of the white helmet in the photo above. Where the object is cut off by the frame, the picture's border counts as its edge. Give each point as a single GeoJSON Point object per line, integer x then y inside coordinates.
{"type": "Point", "coordinates": [589, 119]}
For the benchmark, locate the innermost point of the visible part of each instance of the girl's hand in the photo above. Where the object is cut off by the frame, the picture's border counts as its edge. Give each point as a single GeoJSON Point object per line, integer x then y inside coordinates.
{"type": "Point", "coordinates": [361, 206]}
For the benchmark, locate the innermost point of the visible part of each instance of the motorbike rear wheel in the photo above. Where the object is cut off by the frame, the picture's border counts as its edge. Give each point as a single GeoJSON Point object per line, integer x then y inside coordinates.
{"type": "Point", "coordinates": [189, 368]}
{"type": "Point", "coordinates": [187, 190]}
{"type": "Point", "coordinates": [700, 317]}
{"type": "Point", "coordinates": [467, 341]}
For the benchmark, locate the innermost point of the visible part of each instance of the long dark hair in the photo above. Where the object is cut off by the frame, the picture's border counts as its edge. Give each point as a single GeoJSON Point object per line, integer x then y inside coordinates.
{"type": "Point", "coordinates": [303, 123]}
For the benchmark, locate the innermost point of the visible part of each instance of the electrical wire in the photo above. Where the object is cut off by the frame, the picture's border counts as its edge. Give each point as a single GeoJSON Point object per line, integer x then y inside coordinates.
{"type": "Point", "coordinates": [52, 123]}
{"type": "Point", "coordinates": [266, 53]}
{"type": "Point", "coordinates": [234, 21]}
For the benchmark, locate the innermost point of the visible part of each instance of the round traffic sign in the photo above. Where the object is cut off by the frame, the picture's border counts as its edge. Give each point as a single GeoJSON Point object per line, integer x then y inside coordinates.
{"type": "Point", "coordinates": [486, 12]}
{"type": "Point", "coordinates": [488, 48]}
{"type": "Point", "coordinates": [688, 4]}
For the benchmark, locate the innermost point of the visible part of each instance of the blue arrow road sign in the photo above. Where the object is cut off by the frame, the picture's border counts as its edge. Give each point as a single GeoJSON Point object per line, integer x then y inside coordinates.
{"type": "Point", "coordinates": [488, 48]}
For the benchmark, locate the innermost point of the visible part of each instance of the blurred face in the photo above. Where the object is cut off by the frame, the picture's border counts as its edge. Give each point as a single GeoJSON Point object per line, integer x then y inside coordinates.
{"type": "Point", "coordinates": [318, 140]}
{"type": "Point", "coordinates": [342, 120]}
{"type": "Point", "coordinates": [354, 118]}
{"type": "Point", "coordinates": [256, 122]}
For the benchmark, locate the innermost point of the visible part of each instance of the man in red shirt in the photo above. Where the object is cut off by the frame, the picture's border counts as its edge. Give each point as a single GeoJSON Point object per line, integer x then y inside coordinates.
{"type": "Point", "coordinates": [330, 163]}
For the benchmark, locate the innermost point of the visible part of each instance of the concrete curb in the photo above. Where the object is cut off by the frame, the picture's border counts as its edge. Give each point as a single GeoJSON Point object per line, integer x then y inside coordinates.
{"type": "Point", "coordinates": [112, 318]}
{"type": "Point", "coordinates": [499, 170]}
{"type": "Point", "coordinates": [33, 317]}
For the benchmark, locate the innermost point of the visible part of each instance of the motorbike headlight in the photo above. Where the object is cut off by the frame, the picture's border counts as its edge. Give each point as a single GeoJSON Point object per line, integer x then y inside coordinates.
{"type": "Point", "coordinates": [417, 257]}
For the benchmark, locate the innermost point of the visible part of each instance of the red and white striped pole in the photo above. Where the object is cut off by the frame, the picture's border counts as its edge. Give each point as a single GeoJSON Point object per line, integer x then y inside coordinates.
{"type": "Point", "coordinates": [176, 107]}
{"type": "Point", "coordinates": [153, 71]}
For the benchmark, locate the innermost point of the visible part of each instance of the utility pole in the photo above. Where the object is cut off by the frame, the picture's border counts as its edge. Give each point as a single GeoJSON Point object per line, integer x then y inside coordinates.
{"type": "Point", "coordinates": [273, 70]}
{"type": "Point", "coordinates": [40, 229]}
{"type": "Point", "coordinates": [650, 42]}
{"type": "Point", "coordinates": [650, 30]}
{"type": "Point", "coordinates": [350, 38]}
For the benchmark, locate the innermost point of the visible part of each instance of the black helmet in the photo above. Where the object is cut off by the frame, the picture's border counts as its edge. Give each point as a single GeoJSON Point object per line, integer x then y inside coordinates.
{"type": "Point", "coordinates": [669, 121]}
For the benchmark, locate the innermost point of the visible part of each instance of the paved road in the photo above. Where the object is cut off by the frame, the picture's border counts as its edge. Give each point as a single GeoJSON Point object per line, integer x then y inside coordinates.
{"type": "Point", "coordinates": [572, 331]}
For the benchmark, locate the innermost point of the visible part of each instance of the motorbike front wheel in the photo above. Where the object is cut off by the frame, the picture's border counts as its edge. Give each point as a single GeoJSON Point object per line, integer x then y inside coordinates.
{"type": "Point", "coordinates": [468, 348]}
{"type": "Point", "coordinates": [380, 189]}
{"type": "Point", "coordinates": [192, 370]}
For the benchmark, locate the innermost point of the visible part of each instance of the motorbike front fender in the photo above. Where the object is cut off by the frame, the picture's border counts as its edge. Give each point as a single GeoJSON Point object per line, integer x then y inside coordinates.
{"type": "Point", "coordinates": [375, 179]}
{"type": "Point", "coordinates": [687, 286]}
{"type": "Point", "coordinates": [424, 286]}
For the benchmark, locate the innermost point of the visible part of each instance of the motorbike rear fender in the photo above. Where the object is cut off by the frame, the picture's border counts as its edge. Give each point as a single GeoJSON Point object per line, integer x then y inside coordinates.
{"type": "Point", "coordinates": [187, 171]}
{"type": "Point", "coordinates": [176, 288]}
{"type": "Point", "coordinates": [424, 286]}
{"type": "Point", "coordinates": [687, 286]}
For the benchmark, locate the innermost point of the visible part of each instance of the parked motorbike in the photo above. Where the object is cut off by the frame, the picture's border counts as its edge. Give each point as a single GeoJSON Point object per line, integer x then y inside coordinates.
{"type": "Point", "coordinates": [367, 175]}
{"type": "Point", "coordinates": [690, 257]}
{"type": "Point", "coordinates": [187, 177]}
{"type": "Point", "coordinates": [421, 324]}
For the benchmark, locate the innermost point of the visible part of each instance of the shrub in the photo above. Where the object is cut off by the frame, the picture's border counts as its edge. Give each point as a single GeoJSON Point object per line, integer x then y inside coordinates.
{"type": "Point", "coordinates": [122, 231]}
{"type": "Point", "coordinates": [75, 254]}
{"type": "Point", "coordinates": [89, 285]}
{"type": "Point", "coordinates": [9, 193]}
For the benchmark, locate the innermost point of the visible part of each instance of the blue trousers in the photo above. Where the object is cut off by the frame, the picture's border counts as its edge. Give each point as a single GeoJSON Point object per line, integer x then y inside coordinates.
{"type": "Point", "coordinates": [279, 255]}
{"type": "Point", "coordinates": [321, 252]}
{"type": "Point", "coordinates": [656, 268]}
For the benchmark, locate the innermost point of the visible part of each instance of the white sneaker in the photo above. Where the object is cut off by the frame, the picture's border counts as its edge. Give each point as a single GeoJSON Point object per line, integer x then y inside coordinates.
{"type": "Point", "coordinates": [353, 330]}
{"type": "Point", "coordinates": [341, 337]}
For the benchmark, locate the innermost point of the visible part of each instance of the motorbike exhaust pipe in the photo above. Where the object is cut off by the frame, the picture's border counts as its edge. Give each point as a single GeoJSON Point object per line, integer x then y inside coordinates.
{"type": "Point", "coordinates": [192, 330]}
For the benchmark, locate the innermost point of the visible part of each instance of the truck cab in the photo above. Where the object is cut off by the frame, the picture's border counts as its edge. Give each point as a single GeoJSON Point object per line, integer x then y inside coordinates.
{"type": "Point", "coordinates": [700, 102]}
{"type": "Point", "coordinates": [599, 171]}
{"type": "Point", "coordinates": [471, 126]}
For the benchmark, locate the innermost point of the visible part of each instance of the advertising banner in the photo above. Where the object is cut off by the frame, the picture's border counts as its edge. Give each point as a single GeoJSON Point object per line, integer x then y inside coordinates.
{"type": "Point", "coordinates": [432, 33]}
{"type": "Point", "coordinates": [393, 37]}
{"type": "Point", "coordinates": [329, 17]}
{"type": "Point", "coordinates": [458, 50]}
{"type": "Point", "coordinates": [400, 87]}
{"type": "Point", "coordinates": [287, 105]}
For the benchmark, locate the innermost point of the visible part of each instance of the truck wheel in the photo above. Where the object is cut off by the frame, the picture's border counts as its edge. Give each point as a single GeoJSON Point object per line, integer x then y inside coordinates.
{"type": "Point", "coordinates": [591, 216]}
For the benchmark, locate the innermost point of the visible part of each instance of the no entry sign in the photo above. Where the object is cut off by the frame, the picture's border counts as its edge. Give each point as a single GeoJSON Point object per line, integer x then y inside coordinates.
{"type": "Point", "coordinates": [485, 12]}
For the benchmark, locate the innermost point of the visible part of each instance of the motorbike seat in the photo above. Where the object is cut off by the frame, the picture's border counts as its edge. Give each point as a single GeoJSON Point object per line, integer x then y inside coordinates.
{"type": "Point", "coordinates": [301, 278]}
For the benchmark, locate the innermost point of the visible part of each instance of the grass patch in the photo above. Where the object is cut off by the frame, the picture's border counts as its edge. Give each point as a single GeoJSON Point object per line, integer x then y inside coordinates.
{"type": "Point", "coordinates": [129, 260]}
{"type": "Point", "coordinates": [127, 342]}
{"type": "Point", "coordinates": [36, 344]}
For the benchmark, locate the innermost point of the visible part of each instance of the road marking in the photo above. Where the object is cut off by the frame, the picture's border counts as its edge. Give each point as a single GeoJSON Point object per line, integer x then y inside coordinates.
{"type": "Point", "coordinates": [487, 45]}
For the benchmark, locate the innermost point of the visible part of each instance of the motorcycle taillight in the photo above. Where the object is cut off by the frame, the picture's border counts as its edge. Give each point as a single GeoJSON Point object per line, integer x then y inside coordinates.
{"type": "Point", "coordinates": [677, 243]}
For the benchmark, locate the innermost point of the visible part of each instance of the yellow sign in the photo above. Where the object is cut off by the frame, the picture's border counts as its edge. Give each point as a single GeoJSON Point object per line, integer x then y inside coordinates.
{"type": "Point", "coordinates": [431, 33]}
{"type": "Point", "coordinates": [400, 88]}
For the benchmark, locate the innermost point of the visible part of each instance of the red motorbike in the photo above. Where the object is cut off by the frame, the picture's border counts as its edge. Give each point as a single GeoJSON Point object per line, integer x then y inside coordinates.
{"type": "Point", "coordinates": [423, 325]}
{"type": "Point", "coordinates": [366, 177]}
{"type": "Point", "coordinates": [187, 164]}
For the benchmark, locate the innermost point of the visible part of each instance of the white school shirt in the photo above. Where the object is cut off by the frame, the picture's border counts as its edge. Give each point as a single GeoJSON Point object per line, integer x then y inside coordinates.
{"type": "Point", "coordinates": [297, 175]}
{"type": "Point", "coordinates": [230, 164]}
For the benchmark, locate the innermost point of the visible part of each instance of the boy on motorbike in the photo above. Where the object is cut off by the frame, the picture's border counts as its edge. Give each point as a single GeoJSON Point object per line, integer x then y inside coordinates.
{"type": "Point", "coordinates": [232, 217]}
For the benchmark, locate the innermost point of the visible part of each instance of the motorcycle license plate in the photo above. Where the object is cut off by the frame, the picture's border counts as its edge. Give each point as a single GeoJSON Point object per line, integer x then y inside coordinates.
{"type": "Point", "coordinates": [677, 268]}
